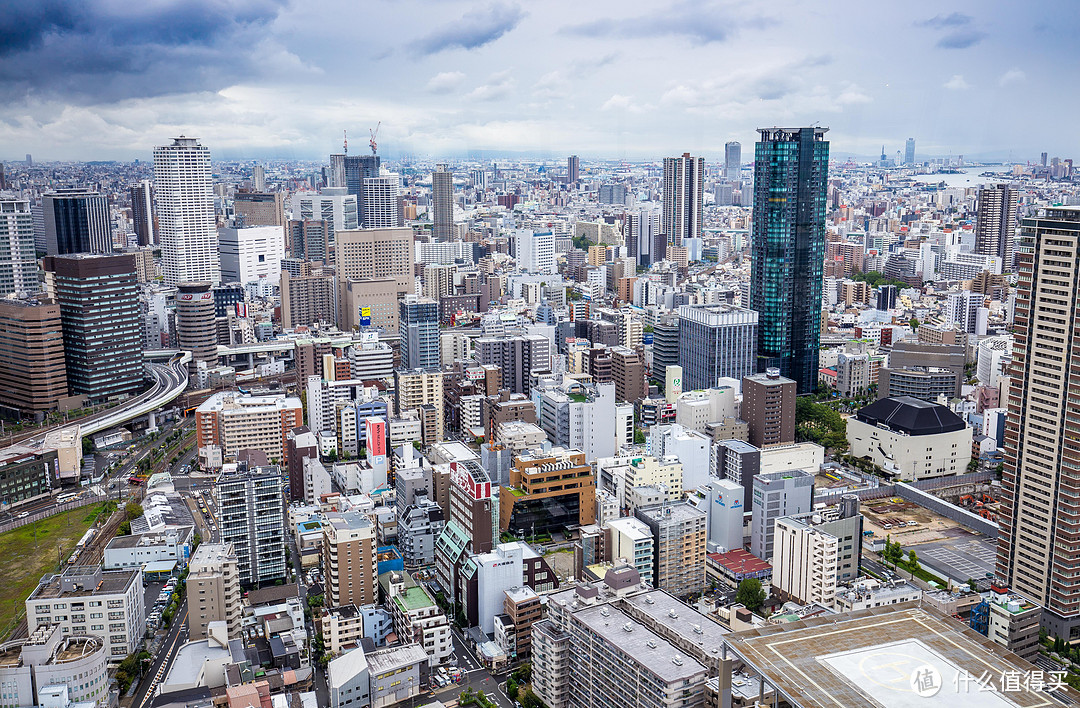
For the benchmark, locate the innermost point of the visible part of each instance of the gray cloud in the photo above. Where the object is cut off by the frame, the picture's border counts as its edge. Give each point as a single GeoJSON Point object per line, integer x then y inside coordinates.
{"type": "Point", "coordinates": [701, 22]}
{"type": "Point", "coordinates": [954, 19]}
{"type": "Point", "coordinates": [98, 51]}
{"type": "Point", "coordinates": [961, 39]}
{"type": "Point", "coordinates": [474, 29]}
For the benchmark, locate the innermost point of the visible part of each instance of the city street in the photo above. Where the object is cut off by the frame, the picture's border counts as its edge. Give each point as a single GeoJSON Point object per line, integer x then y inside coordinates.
{"type": "Point", "coordinates": [175, 637]}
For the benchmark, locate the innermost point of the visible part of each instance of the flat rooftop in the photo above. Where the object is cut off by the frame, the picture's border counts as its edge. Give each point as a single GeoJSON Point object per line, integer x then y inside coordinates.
{"type": "Point", "coordinates": [868, 658]}
{"type": "Point", "coordinates": [642, 645]}
{"type": "Point", "coordinates": [413, 598]}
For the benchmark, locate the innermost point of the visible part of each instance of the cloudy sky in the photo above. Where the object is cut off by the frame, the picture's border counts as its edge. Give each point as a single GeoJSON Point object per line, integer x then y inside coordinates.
{"type": "Point", "coordinates": [109, 79]}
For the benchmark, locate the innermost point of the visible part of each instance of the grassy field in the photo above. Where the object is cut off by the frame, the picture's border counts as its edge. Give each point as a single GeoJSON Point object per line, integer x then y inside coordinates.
{"type": "Point", "coordinates": [25, 561]}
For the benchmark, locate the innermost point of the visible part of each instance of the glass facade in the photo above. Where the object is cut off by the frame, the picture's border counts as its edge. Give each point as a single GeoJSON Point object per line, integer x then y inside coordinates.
{"type": "Point", "coordinates": [790, 176]}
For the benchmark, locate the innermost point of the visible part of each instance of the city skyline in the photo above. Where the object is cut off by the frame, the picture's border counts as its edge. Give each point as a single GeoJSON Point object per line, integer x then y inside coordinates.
{"type": "Point", "coordinates": [645, 82]}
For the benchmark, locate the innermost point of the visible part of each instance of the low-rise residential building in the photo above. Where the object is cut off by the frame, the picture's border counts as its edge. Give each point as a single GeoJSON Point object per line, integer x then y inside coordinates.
{"type": "Point", "coordinates": [419, 620]}
{"type": "Point", "coordinates": [869, 592]}
{"type": "Point", "coordinates": [1010, 621]}
{"type": "Point", "coordinates": [343, 627]}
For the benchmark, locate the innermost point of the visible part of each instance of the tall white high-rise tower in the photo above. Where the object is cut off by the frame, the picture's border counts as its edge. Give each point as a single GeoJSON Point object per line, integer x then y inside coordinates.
{"type": "Point", "coordinates": [185, 209]}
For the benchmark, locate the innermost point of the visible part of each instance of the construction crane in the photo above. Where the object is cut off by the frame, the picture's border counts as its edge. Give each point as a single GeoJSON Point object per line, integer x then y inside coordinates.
{"type": "Point", "coordinates": [374, 134]}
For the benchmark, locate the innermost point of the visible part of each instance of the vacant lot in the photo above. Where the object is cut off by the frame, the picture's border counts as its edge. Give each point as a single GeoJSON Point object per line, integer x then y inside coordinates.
{"type": "Point", "coordinates": [29, 552]}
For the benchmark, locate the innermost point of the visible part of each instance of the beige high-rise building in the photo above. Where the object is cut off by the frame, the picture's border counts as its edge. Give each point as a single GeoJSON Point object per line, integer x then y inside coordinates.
{"type": "Point", "coordinates": [349, 559]}
{"type": "Point", "coordinates": [370, 254]}
{"type": "Point", "coordinates": [195, 327]}
{"type": "Point", "coordinates": [33, 376]}
{"type": "Point", "coordinates": [308, 299]}
{"type": "Point", "coordinates": [213, 589]}
{"type": "Point", "coordinates": [679, 536]}
{"type": "Point", "coordinates": [416, 388]}
{"type": "Point", "coordinates": [1039, 536]}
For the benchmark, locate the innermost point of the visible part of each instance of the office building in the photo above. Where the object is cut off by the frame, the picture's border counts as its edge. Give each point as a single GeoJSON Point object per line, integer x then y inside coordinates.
{"type": "Point", "coordinates": [184, 202]}
{"type": "Point", "coordinates": [195, 323]}
{"type": "Point", "coordinates": [911, 439]}
{"type": "Point", "coordinates": [1037, 549]}
{"type": "Point", "coordinates": [679, 538]}
{"type": "Point", "coordinates": [259, 208]}
{"type": "Point", "coordinates": [612, 194]}
{"type": "Point", "coordinates": [251, 253]}
{"type": "Point", "coordinates": [357, 169]}
{"type": "Point", "coordinates": [788, 237]}
{"type": "Point", "coordinates": [584, 417]}
{"type": "Point", "coordinates": [768, 407]}
{"type": "Point", "coordinates": [49, 668]}
{"type": "Point", "coordinates": [33, 376]}
{"type": "Point", "coordinates": [995, 224]}
{"type": "Point", "coordinates": [380, 202]}
{"type": "Point", "coordinates": [418, 332]}
{"type": "Point", "coordinates": [300, 444]}
{"type": "Point", "coordinates": [349, 559]}
{"type": "Point", "coordinates": [548, 491]}
{"type": "Point", "coordinates": [886, 297]}
{"type": "Point", "coordinates": [86, 600]}
{"type": "Point", "coordinates": [98, 297]}
{"type": "Point", "coordinates": [724, 510]}
{"type": "Point", "coordinates": [925, 382]}
{"type": "Point", "coordinates": [372, 256]}
{"type": "Point", "coordinates": [573, 169]}
{"type": "Point", "coordinates": [732, 161]}
{"type": "Point", "coordinates": [1009, 620]}
{"type": "Point", "coordinates": [665, 348]}
{"type": "Point", "coordinates": [336, 206]}
{"type": "Point", "coordinates": [683, 198]}
{"type": "Point", "coordinates": [18, 266]}
{"type": "Point", "coordinates": [230, 422]}
{"type": "Point", "coordinates": [640, 231]}
{"type": "Point", "coordinates": [251, 517]}
{"type": "Point", "coordinates": [909, 152]}
{"type": "Point", "coordinates": [442, 200]}
{"type": "Point", "coordinates": [213, 589]}
{"type": "Point", "coordinates": [777, 494]}
{"type": "Point", "coordinates": [76, 221]}
{"type": "Point", "coordinates": [418, 389]}
{"type": "Point", "coordinates": [142, 212]}
{"type": "Point", "coordinates": [534, 251]}
{"type": "Point", "coordinates": [310, 239]}
{"type": "Point", "coordinates": [258, 178]}
{"type": "Point", "coordinates": [716, 341]}
{"type": "Point", "coordinates": [517, 357]}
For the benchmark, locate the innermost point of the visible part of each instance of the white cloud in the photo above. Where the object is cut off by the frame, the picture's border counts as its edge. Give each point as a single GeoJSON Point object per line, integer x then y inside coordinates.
{"type": "Point", "coordinates": [498, 85]}
{"type": "Point", "coordinates": [1011, 76]}
{"type": "Point", "coordinates": [957, 83]}
{"type": "Point", "coordinates": [445, 81]}
{"type": "Point", "coordinates": [851, 94]}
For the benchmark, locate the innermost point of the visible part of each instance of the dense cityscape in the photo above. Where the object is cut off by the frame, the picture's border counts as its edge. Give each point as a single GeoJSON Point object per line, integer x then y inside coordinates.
{"type": "Point", "coordinates": [765, 425]}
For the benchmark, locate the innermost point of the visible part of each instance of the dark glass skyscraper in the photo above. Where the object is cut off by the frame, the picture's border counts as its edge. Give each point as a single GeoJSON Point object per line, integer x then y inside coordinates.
{"type": "Point", "coordinates": [790, 173]}
{"type": "Point", "coordinates": [76, 221]}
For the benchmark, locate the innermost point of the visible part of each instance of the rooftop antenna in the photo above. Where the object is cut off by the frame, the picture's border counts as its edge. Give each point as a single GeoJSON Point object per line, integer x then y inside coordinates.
{"type": "Point", "coordinates": [346, 134]}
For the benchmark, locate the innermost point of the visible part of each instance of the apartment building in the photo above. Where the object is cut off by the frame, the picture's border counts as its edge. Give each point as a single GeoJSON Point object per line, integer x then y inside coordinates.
{"type": "Point", "coordinates": [213, 589]}
{"type": "Point", "coordinates": [679, 537]}
{"type": "Point", "coordinates": [251, 514]}
{"type": "Point", "coordinates": [417, 388]}
{"type": "Point", "coordinates": [419, 620]}
{"type": "Point", "coordinates": [231, 422]}
{"type": "Point", "coordinates": [349, 559]}
{"type": "Point", "coordinates": [768, 406]}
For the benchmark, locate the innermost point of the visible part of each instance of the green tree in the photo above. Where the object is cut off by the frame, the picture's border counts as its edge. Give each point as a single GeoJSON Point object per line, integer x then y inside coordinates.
{"type": "Point", "coordinates": [750, 594]}
{"type": "Point", "coordinates": [914, 323]}
{"type": "Point", "coordinates": [133, 510]}
{"type": "Point", "coordinates": [913, 560]}
{"type": "Point", "coordinates": [529, 700]}
{"type": "Point", "coordinates": [639, 437]}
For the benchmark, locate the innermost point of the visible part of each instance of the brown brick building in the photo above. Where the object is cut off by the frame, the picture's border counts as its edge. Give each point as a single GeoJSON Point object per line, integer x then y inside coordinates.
{"type": "Point", "coordinates": [32, 370]}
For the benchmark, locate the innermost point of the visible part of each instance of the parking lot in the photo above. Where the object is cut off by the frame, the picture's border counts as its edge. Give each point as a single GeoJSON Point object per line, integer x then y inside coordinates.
{"type": "Point", "coordinates": [960, 556]}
